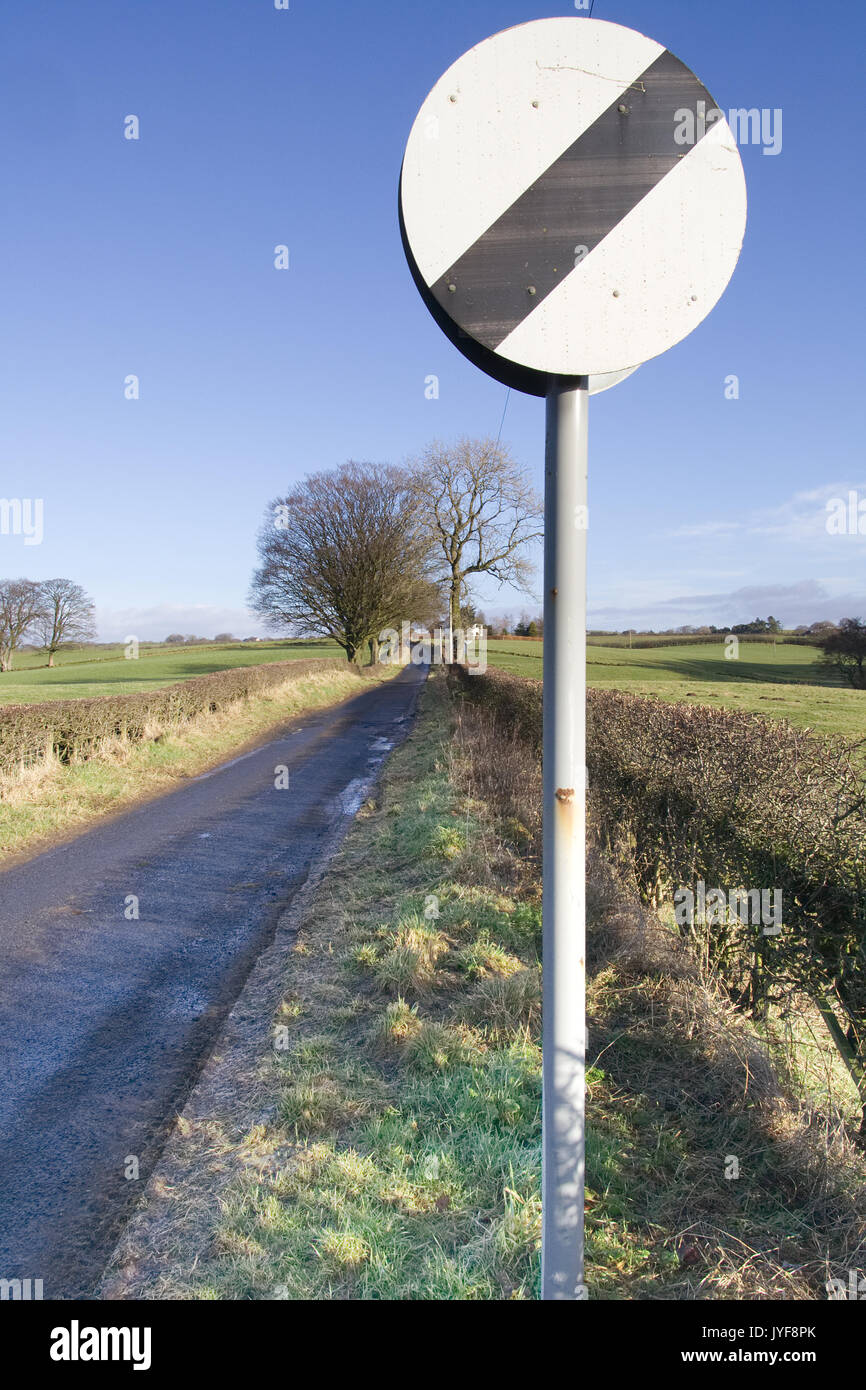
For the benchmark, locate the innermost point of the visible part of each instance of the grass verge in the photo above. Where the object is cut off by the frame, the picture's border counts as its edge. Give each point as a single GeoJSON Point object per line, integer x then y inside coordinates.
{"type": "Point", "coordinates": [380, 1136]}
{"type": "Point", "coordinates": [51, 800]}
{"type": "Point", "coordinates": [398, 1085]}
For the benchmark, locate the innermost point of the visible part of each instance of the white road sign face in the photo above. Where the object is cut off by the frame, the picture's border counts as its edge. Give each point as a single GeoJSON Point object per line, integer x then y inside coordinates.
{"type": "Point", "coordinates": [605, 380]}
{"type": "Point", "coordinates": [554, 218]}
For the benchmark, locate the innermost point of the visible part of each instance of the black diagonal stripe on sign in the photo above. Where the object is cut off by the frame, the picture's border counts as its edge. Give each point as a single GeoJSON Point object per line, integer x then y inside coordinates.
{"type": "Point", "coordinates": [576, 202]}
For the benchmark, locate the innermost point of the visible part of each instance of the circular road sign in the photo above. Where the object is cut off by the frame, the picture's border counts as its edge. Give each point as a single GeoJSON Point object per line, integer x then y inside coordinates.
{"type": "Point", "coordinates": [572, 201]}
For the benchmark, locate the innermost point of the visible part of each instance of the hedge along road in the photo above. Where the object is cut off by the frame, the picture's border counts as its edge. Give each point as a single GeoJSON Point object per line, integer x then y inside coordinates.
{"type": "Point", "coordinates": [104, 1021]}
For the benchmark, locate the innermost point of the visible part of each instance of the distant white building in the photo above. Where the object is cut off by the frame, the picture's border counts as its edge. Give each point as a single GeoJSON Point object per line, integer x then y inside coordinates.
{"type": "Point", "coordinates": [460, 645]}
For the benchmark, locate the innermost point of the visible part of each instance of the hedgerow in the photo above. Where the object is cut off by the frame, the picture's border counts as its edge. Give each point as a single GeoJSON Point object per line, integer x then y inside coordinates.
{"type": "Point", "coordinates": [74, 728]}
{"type": "Point", "coordinates": [718, 639]}
{"type": "Point", "coordinates": [686, 792]}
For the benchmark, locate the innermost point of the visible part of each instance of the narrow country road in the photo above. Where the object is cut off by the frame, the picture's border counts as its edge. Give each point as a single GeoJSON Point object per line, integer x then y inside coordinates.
{"type": "Point", "coordinates": [104, 1021]}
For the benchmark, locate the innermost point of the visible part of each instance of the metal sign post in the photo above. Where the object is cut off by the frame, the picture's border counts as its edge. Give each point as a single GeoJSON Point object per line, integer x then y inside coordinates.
{"type": "Point", "coordinates": [564, 1038]}
{"type": "Point", "coordinates": [561, 233]}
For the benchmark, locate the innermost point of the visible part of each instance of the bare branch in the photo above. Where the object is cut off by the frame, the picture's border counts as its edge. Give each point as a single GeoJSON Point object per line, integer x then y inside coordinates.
{"type": "Point", "coordinates": [481, 513]}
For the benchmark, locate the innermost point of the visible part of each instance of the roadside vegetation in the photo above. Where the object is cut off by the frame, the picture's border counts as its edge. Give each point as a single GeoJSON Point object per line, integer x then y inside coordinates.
{"type": "Point", "coordinates": [786, 681]}
{"type": "Point", "coordinates": [721, 1112]}
{"type": "Point", "coordinates": [400, 1073]}
{"type": "Point", "coordinates": [58, 776]}
{"type": "Point", "coordinates": [385, 1141]}
{"type": "Point", "coordinates": [680, 795]}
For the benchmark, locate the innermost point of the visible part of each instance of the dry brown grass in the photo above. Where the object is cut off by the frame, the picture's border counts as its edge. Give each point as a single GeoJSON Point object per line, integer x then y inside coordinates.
{"type": "Point", "coordinates": [52, 798]}
{"type": "Point", "coordinates": [680, 1084]}
{"type": "Point", "coordinates": [797, 1212]}
{"type": "Point", "coordinates": [389, 1149]}
{"type": "Point", "coordinates": [431, 1098]}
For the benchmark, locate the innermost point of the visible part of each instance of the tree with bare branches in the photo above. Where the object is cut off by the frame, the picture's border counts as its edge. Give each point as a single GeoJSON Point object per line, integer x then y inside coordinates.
{"type": "Point", "coordinates": [844, 651]}
{"type": "Point", "coordinates": [67, 616]}
{"type": "Point", "coordinates": [345, 553]}
{"type": "Point", "coordinates": [482, 513]}
{"type": "Point", "coordinates": [20, 608]}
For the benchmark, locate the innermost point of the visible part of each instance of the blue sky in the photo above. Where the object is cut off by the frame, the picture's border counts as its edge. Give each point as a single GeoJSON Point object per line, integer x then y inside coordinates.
{"type": "Point", "coordinates": [260, 127]}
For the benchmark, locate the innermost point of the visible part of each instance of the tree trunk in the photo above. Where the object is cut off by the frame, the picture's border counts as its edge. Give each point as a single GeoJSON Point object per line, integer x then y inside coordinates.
{"type": "Point", "coordinates": [453, 618]}
{"type": "Point", "coordinates": [850, 1054]}
{"type": "Point", "coordinates": [50, 658]}
{"type": "Point", "coordinates": [374, 651]}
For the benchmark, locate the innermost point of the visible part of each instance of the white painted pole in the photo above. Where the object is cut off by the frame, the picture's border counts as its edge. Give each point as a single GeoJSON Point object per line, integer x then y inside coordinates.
{"type": "Point", "coordinates": [564, 929]}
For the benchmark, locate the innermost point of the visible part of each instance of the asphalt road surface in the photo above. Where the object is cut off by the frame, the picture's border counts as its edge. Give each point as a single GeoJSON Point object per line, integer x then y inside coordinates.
{"type": "Point", "coordinates": [105, 1020]}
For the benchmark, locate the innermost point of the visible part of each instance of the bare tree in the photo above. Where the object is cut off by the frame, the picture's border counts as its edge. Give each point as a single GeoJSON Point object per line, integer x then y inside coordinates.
{"type": "Point", "coordinates": [67, 616]}
{"type": "Point", "coordinates": [345, 554]}
{"type": "Point", "coordinates": [20, 607]}
{"type": "Point", "coordinates": [482, 512]}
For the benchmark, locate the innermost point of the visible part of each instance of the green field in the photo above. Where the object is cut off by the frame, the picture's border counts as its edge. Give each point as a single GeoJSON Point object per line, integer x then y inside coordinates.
{"type": "Point", "coordinates": [104, 670]}
{"type": "Point", "coordinates": [784, 681]}
{"type": "Point", "coordinates": [663, 639]}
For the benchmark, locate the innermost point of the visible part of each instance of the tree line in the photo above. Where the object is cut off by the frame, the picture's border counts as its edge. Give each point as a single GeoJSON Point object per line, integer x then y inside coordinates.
{"type": "Point", "coordinates": [360, 548]}
{"type": "Point", "coordinates": [47, 613]}
{"type": "Point", "coordinates": [189, 639]}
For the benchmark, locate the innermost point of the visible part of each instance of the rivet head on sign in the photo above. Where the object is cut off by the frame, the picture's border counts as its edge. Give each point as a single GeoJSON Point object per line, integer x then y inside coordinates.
{"type": "Point", "coordinates": [616, 294]}
{"type": "Point", "coordinates": [623, 110]}
{"type": "Point", "coordinates": [452, 98]}
{"type": "Point", "coordinates": [535, 104]}
{"type": "Point", "coordinates": [452, 289]}
{"type": "Point", "coordinates": [694, 299]}
{"type": "Point", "coordinates": [531, 289]}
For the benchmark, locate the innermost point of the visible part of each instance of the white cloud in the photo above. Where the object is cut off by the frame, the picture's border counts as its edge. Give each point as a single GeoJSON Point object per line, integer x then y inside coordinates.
{"type": "Point", "coordinates": [709, 528]}
{"type": "Point", "coordinates": [154, 624]}
{"type": "Point", "coordinates": [801, 518]}
{"type": "Point", "coordinates": [808, 601]}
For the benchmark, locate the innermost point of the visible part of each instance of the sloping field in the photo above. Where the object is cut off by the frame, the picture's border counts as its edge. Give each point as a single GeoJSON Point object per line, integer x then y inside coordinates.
{"type": "Point", "coordinates": [105, 670]}
{"type": "Point", "coordinates": [785, 681]}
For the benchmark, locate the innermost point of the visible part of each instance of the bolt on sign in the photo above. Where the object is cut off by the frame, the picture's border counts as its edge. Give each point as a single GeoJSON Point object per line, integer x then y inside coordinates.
{"type": "Point", "coordinates": [561, 235]}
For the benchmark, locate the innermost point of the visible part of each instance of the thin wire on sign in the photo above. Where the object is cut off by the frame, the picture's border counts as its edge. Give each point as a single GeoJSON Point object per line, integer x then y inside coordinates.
{"type": "Point", "coordinates": [502, 421]}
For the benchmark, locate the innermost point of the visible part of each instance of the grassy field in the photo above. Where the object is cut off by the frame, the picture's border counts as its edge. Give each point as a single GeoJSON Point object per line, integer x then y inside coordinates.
{"type": "Point", "coordinates": [785, 681]}
{"type": "Point", "coordinates": [668, 639]}
{"type": "Point", "coordinates": [104, 670]}
{"type": "Point", "coordinates": [781, 681]}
